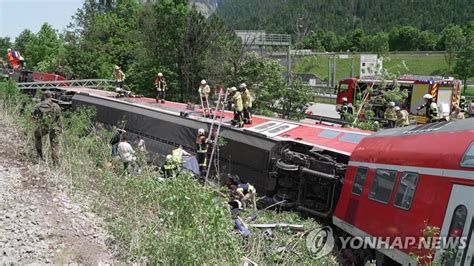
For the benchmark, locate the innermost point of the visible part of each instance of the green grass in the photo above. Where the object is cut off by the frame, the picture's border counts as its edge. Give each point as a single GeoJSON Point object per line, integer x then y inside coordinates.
{"type": "Point", "coordinates": [417, 64]}
{"type": "Point", "coordinates": [469, 91]}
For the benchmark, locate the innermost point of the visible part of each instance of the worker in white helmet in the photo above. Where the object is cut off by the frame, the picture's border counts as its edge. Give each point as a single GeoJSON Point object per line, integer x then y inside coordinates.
{"type": "Point", "coordinates": [11, 58]}
{"type": "Point", "coordinates": [161, 88]}
{"type": "Point", "coordinates": [431, 108]}
{"type": "Point", "coordinates": [390, 115]}
{"type": "Point", "coordinates": [402, 117]}
{"type": "Point", "coordinates": [201, 151]}
{"type": "Point", "coordinates": [119, 77]}
{"type": "Point", "coordinates": [247, 103]}
{"type": "Point", "coordinates": [204, 91]}
{"type": "Point", "coordinates": [170, 167]}
{"type": "Point", "coordinates": [344, 109]}
{"type": "Point", "coordinates": [236, 99]}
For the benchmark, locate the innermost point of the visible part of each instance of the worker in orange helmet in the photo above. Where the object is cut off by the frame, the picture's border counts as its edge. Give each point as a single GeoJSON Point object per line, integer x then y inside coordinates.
{"type": "Point", "coordinates": [11, 58]}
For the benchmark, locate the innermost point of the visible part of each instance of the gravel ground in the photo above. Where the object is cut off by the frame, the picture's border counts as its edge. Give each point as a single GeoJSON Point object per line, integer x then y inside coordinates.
{"type": "Point", "coordinates": [39, 222]}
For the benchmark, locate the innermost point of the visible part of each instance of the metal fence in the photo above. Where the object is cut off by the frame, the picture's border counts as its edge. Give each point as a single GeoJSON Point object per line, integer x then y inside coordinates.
{"type": "Point", "coordinates": [84, 83]}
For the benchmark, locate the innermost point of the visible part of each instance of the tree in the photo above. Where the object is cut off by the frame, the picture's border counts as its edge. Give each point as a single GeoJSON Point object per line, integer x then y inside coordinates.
{"type": "Point", "coordinates": [427, 41]}
{"type": "Point", "coordinates": [43, 47]}
{"type": "Point", "coordinates": [23, 40]}
{"type": "Point", "coordinates": [294, 99]}
{"type": "Point", "coordinates": [408, 38]}
{"type": "Point", "coordinates": [464, 66]}
{"type": "Point", "coordinates": [451, 40]}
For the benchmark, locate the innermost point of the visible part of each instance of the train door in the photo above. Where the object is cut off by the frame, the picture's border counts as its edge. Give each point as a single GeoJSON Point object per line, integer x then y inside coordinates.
{"type": "Point", "coordinates": [459, 224]}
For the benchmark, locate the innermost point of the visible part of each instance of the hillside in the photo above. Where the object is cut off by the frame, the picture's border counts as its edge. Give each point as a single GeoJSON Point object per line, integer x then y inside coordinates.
{"type": "Point", "coordinates": [341, 16]}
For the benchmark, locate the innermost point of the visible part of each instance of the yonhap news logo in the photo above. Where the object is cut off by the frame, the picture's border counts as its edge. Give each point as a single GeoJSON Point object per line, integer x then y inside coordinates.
{"type": "Point", "coordinates": [321, 242]}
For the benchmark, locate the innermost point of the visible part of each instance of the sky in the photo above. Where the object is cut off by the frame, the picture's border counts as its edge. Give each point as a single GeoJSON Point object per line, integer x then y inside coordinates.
{"type": "Point", "coordinates": [17, 15]}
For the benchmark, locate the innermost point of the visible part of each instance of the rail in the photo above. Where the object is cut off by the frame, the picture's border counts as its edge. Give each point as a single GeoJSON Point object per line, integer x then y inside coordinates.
{"type": "Point", "coordinates": [83, 83]}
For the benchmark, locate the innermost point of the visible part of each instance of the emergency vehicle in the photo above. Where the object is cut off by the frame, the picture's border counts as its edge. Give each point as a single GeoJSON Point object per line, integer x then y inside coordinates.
{"type": "Point", "coordinates": [446, 92]}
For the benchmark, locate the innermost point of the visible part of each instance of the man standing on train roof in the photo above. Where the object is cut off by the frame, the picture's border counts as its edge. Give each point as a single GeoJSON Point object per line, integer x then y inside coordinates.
{"type": "Point", "coordinates": [402, 117]}
{"type": "Point", "coordinates": [47, 116]}
{"type": "Point", "coordinates": [247, 103]}
{"type": "Point", "coordinates": [463, 104]}
{"type": "Point", "coordinates": [161, 88]}
{"type": "Point", "coordinates": [236, 99]}
{"type": "Point", "coordinates": [204, 91]}
{"type": "Point", "coordinates": [390, 115]}
{"type": "Point", "coordinates": [119, 77]}
{"type": "Point", "coordinates": [201, 151]}
{"type": "Point", "coordinates": [431, 108]}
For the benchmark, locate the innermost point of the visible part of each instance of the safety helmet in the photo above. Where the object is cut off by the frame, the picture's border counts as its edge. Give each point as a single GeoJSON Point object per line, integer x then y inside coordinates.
{"type": "Point", "coordinates": [160, 74]}
{"type": "Point", "coordinates": [243, 86]}
{"type": "Point", "coordinates": [201, 131]}
{"type": "Point", "coordinates": [9, 50]}
{"type": "Point", "coordinates": [236, 204]}
{"type": "Point", "coordinates": [117, 67]}
{"type": "Point", "coordinates": [396, 108]}
{"type": "Point", "coordinates": [169, 157]}
{"type": "Point", "coordinates": [391, 104]}
{"type": "Point", "coordinates": [203, 82]}
{"type": "Point", "coordinates": [233, 89]}
{"type": "Point", "coordinates": [427, 97]}
{"type": "Point", "coordinates": [118, 89]}
{"type": "Point", "coordinates": [463, 97]}
{"type": "Point", "coordinates": [344, 99]}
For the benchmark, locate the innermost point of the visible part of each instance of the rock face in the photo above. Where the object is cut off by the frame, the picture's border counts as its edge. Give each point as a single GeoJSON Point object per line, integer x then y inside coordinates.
{"type": "Point", "coordinates": [205, 7]}
{"type": "Point", "coordinates": [39, 222]}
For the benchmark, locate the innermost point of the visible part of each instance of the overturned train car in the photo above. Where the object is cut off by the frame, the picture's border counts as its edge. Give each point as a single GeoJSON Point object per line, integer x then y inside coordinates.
{"type": "Point", "coordinates": [301, 163]}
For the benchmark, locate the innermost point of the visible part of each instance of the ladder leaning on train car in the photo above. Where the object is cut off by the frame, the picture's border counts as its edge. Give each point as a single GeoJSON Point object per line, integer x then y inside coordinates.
{"type": "Point", "coordinates": [215, 128]}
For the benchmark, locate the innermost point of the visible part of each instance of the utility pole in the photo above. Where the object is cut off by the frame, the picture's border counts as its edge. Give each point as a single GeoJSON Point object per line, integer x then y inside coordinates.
{"type": "Point", "coordinates": [334, 70]}
{"type": "Point", "coordinates": [289, 63]}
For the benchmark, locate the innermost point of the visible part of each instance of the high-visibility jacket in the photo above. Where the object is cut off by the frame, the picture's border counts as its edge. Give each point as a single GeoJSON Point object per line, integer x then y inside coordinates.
{"type": "Point", "coordinates": [204, 90]}
{"type": "Point", "coordinates": [201, 144]}
{"type": "Point", "coordinates": [12, 59]}
{"type": "Point", "coordinates": [119, 75]}
{"type": "Point", "coordinates": [237, 100]}
{"type": "Point", "coordinates": [160, 84]}
{"type": "Point", "coordinates": [389, 114]}
{"type": "Point", "coordinates": [246, 98]}
{"type": "Point", "coordinates": [432, 111]}
{"type": "Point", "coordinates": [402, 118]}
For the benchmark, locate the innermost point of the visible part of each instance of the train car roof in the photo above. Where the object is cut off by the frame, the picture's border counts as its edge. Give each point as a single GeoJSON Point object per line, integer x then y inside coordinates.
{"type": "Point", "coordinates": [442, 145]}
{"type": "Point", "coordinates": [332, 138]}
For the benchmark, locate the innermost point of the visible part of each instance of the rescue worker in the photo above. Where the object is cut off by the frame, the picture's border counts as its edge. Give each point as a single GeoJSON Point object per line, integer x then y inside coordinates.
{"type": "Point", "coordinates": [47, 115]}
{"type": "Point", "coordinates": [463, 104]}
{"type": "Point", "coordinates": [457, 114]}
{"type": "Point", "coordinates": [115, 140]}
{"type": "Point", "coordinates": [431, 108]}
{"type": "Point", "coordinates": [12, 59]}
{"type": "Point", "coordinates": [236, 99]}
{"type": "Point", "coordinates": [204, 91]}
{"type": "Point", "coordinates": [344, 109]}
{"type": "Point", "coordinates": [201, 151]}
{"type": "Point", "coordinates": [170, 167]}
{"type": "Point", "coordinates": [390, 115]}
{"type": "Point", "coordinates": [402, 117]}
{"type": "Point", "coordinates": [119, 77]}
{"type": "Point", "coordinates": [247, 103]}
{"type": "Point", "coordinates": [126, 153]}
{"type": "Point", "coordinates": [244, 192]}
{"type": "Point", "coordinates": [161, 87]}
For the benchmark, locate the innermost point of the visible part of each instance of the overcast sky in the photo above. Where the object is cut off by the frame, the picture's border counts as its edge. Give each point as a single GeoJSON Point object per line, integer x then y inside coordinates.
{"type": "Point", "coordinates": [17, 15]}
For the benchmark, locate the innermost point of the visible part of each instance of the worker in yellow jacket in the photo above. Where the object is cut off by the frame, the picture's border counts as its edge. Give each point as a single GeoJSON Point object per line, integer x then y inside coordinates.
{"type": "Point", "coordinates": [247, 103]}
{"type": "Point", "coordinates": [238, 107]}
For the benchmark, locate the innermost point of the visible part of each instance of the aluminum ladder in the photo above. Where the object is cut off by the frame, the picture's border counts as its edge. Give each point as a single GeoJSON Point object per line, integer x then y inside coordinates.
{"type": "Point", "coordinates": [215, 128]}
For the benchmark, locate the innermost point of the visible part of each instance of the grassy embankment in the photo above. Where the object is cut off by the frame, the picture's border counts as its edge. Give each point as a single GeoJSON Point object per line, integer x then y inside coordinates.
{"type": "Point", "coordinates": [177, 222]}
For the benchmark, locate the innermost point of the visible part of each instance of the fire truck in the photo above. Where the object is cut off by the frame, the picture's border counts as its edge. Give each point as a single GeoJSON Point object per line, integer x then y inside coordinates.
{"type": "Point", "coordinates": [446, 92]}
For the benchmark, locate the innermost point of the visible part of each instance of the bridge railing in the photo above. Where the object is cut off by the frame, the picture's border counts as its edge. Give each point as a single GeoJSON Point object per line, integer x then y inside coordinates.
{"type": "Point", "coordinates": [82, 83]}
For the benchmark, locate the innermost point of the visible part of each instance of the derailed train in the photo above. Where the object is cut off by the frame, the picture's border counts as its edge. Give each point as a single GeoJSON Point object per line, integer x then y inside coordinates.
{"type": "Point", "coordinates": [390, 184]}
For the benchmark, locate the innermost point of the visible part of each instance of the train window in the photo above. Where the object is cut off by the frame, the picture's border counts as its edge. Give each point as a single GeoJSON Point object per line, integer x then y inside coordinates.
{"type": "Point", "coordinates": [330, 134]}
{"type": "Point", "coordinates": [406, 190]}
{"type": "Point", "coordinates": [382, 185]}
{"type": "Point", "coordinates": [468, 157]}
{"type": "Point", "coordinates": [352, 137]}
{"type": "Point", "coordinates": [359, 180]}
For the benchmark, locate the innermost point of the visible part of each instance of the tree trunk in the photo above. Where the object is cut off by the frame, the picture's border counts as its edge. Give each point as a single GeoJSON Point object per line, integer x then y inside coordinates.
{"type": "Point", "coordinates": [465, 85]}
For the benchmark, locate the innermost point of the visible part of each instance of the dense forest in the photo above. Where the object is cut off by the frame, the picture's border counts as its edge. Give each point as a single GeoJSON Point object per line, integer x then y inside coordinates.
{"type": "Point", "coordinates": [342, 16]}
